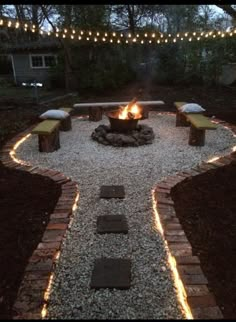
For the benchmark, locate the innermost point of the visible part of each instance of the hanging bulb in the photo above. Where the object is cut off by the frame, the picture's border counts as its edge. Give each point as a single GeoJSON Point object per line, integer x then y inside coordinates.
{"type": "Point", "coordinates": [166, 40]}
{"type": "Point", "coordinates": [87, 38]}
{"type": "Point", "coordinates": [73, 31]}
{"type": "Point", "coordinates": [126, 41]}
{"type": "Point", "coordinates": [118, 41]}
{"type": "Point", "coordinates": [111, 40]}
{"type": "Point", "coordinates": [103, 39]}
{"type": "Point", "coordinates": [79, 37]}
{"type": "Point", "coordinates": [65, 31]}
{"type": "Point", "coordinates": [190, 39]}
{"type": "Point", "coordinates": [134, 40]}
{"type": "Point", "coordinates": [150, 41]}
{"type": "Point", "coordinates": [105, 34]}
{"type": "Point", "coordinates": [194, 33]}
{"type": "Point", "coordinates": [17, 24]}
{"type": "Point", "coordinates": [63, 36]}
{"type": "Point", "coordinates": [90, 33]}
{"type": "Point", "coordinates": [1, 22]}
{"type": "Point", "coordinates": [158, 41]}
{"type": "Point", "coordinates": [98, 33]}
{"type": "Point", "coordinates": [72, 37]}
{"type": "Point", "coordinates": [137, 35]}
{"type": "Point", "coordinates": [177, 35]}
{"type": "Point", "coordinates": [181, 38]}
{"type": "Point", "coordinates": [142, 41]}
{"type": "Point", "coordinates": [153, 35]}
{"type": "Point", "coordinates": [174, 40]}
{"type": "Point", "coordinates": [169, 35]}
{"type": "Point", "coordinates": [198, 38]}
{"type": "Point", "coordinates": [81, 32]}
{"type": "Point", "coordinates": [121, 35]}
{"type": "Point", "coordinates": [129, 35]}
{"type": "Point", "coordinates": [145, 35]}
{"type": "Point", "coordinates": [57, 35]}
{"type": "Point", "coordinates": [113, 34]}
{"type": "Point", "coordinates": [95, 39]}
{"type": "Point", "coordinates": [186, 34]}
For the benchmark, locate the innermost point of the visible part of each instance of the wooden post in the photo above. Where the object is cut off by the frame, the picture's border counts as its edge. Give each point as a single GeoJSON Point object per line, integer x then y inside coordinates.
{"type": "Point", "coordinates": [145, 112]}
{"type": "Point", "coordinates": [49, 143]}
{"type": "Point", "coordinates": [95, 113]}
{"type": "Point", "coordinates": [66, 124]}
{"type": "Point", "coordinates": [181, 119]}
{"type": "Point", "coordinates": [196, 137]}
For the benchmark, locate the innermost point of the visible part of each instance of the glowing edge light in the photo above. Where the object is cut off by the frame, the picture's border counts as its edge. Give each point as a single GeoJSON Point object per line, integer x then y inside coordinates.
{"type": "Point", "coordinates": [13, 151]}
{"type": "Point", "coordinates": [57, 256]}
{"type": "Point", "coordinates": [181, 294]}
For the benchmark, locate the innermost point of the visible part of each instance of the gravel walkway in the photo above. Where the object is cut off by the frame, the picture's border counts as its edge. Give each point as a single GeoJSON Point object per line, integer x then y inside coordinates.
{"type": "Point", "coordinates": [152, 294]}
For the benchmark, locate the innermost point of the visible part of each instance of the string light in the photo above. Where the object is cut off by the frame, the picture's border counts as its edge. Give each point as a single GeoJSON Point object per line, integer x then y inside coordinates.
{"type": "Point", "coordinates": [111, 40]}
{"type": "Point", "coordinates": [133, 38]}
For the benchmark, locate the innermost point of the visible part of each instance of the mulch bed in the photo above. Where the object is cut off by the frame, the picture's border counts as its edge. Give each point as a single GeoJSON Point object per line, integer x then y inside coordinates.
{"type": "Point", "coordinates": [26, 201]}
{"type": "Point", "coordinates": [206, 207]}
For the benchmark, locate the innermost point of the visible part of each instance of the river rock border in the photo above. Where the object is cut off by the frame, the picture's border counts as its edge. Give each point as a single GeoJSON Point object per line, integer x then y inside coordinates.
{"type": "Point", "coordinates": [200, 300]}
{"type": "Point", "coordinates": [32, 294]}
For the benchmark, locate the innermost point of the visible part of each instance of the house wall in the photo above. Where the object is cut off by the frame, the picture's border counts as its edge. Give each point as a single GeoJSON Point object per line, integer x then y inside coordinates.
{"type": "Point", "coordinates": [24, 72]}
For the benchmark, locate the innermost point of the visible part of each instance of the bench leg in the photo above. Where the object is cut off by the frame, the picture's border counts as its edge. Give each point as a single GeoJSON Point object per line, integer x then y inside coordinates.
{"type": "Point", "coordinates": [95, 114]}
{"type": "Point", "coordinates": [49, 143]}
{"type": "Point", "coordinates": [181, 120]}
{"type": "Point", "coordinates": [145, 112]}
{"type": "Point", "coordinates": [196, 137]}
{"type": "Point", "coordinates": [66, 124]}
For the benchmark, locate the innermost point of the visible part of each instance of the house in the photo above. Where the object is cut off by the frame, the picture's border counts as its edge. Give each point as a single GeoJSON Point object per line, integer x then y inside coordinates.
{"type": "Point", "coordinates": [32, 61]}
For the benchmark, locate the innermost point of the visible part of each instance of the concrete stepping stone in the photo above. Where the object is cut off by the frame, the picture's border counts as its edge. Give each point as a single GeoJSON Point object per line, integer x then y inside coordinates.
{"type": "Point", "coordinates": [111, 273]}
{"type": "Point", "coordinates": [112, 224]}
{"type": "Point", "coordinates": [112, 192]}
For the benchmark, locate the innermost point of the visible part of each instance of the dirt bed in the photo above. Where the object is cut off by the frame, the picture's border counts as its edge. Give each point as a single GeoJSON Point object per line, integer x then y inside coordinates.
{"type": "Point", "coordinates": [26, 201]}
{"type": "Point", "coordinates": [206, 208]}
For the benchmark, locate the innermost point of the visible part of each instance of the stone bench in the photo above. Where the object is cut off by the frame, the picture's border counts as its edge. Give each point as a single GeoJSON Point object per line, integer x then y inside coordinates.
{"type": "Point", "coordinates": [66, 123]}
{"type": "Point", "coordinates": [96, 109]}
{"type": "Point", "coordinates": [48, 135]}
{"type": "Point", "coordinates": [198, 125]}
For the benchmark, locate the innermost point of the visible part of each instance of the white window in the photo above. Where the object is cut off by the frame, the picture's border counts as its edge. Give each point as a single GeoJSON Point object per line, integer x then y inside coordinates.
{"type": "Point", "coordinates": [42, 61]}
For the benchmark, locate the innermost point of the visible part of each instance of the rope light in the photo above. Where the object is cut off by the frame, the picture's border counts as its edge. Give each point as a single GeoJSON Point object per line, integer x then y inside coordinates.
{"type": "Point", "coordinates": [140, 38]}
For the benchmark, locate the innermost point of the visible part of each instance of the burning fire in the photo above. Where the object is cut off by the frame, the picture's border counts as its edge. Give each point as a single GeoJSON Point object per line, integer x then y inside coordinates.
{"type": "Point", "coordinates": [130, 112]}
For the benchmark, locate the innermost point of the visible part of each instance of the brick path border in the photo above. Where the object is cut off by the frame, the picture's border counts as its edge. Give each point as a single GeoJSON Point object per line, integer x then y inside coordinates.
{"type": "Point", "coordinates": [32, 294]}
{"type": "Point", "coordinates": [200, 300]}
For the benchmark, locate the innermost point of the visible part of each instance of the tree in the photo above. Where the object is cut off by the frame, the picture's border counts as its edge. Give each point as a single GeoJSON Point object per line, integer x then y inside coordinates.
{"type": "Point", "coordinates": [230, 10]}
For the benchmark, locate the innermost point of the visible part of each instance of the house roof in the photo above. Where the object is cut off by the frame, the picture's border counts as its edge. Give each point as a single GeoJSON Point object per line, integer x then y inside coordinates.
{"type": "Point", "coordinates": [40, 44]}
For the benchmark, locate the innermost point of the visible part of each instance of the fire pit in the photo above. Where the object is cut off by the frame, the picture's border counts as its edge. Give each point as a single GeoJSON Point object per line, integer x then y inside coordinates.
{"type": "Point", "coordinates": [124, 129]}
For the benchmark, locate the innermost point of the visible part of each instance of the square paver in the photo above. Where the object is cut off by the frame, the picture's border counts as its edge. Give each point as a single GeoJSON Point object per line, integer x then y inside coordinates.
{"type": "Point", "coordinates": [111, 273]}
{"type": "Point", "coordinates": [112, 224]}
{"type": "Point", "coordinates": [112, 192]}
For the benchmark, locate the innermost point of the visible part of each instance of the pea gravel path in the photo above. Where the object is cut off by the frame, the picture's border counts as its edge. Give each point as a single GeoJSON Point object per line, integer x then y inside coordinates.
{"type": "Point", "coordinates": [152, 294]}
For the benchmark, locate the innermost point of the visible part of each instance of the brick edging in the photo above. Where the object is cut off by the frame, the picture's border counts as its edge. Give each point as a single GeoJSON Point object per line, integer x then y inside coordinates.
{"type": "Point", "coordinates": [200, 300]}
{"type": "Point", "coordinates": [31, 298]}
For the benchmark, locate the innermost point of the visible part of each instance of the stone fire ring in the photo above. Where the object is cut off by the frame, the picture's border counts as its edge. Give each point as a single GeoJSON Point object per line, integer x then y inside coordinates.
{"type": "Point", "coordinates": [143, 134]}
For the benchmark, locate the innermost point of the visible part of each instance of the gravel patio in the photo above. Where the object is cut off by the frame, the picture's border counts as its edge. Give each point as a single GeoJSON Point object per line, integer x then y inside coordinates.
{"type": "Point", "coordinates": [152, 294]}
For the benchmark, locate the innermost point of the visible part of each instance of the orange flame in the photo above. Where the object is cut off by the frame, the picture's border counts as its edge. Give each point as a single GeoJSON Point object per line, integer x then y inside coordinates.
{"type": "Point", "coordinates": [134, 110]}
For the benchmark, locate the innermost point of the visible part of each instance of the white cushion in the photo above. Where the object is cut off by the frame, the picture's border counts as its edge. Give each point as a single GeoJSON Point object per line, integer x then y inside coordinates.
{"type": "Point", "coordinates": [191, 108]}
{"type": "Point", "coordinates": [54, 114]}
